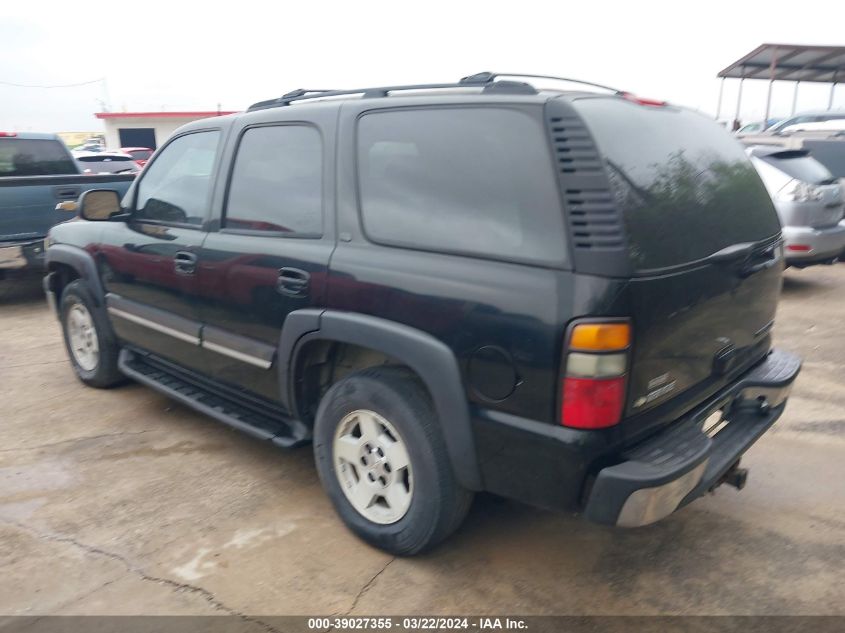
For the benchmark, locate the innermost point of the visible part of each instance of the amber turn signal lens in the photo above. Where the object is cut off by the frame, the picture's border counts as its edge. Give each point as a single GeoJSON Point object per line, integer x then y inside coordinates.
{"type": "Point", "coordinates": [600, 337]}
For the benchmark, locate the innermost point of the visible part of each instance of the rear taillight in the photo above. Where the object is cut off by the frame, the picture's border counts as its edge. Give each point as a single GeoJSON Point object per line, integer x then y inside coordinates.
{"type": "Point", "coordinates": [8, 134]}
{"type": "Point", "coordinates": [594, 374]}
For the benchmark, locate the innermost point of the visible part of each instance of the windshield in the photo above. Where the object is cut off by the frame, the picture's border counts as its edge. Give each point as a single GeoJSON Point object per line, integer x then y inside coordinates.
{"type": "Point", "coordinates": [684, 185]}
{"type": "Point", "coordinates": [806, 118]}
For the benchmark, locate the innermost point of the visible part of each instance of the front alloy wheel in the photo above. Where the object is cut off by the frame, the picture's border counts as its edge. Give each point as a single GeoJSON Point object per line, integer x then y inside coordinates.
{"type": "Point", "coordinates": [89, 339]}
{"type": "Point", "coordinates": [82, 337]}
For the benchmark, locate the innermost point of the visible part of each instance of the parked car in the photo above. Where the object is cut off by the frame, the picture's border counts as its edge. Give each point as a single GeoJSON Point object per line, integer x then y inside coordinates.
{"type": "Point", "coordinates": [814, 116]}
{"type": "Point", "coordinates": [107, 163]}
{"type": "Point", "coordinates": [809, 202]}
{"type": "Point", "coordinates": [831, 127]}
{"type": "Point", "coordinates": [561, 297]}
{"type": "Point", "coordinates": [756, 127]}
{"type": "Point", "coordinates": [139, 154]}
{"type": "Point", "coordinates": [36, 172]}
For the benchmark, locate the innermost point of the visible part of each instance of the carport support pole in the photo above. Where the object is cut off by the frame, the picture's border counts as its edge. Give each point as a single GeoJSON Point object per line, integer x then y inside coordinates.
{"type": "Point", "coordinates": [768, 99]}
{"type": "Point", "coordinates": [772, 68]}
{"type": "Point", "coordinates": [832, 88]}
{"type": "Point", "coordinates": [795, 97]}
{"type": "Point", "coordinates": [738, 99]}
{"type": "Point", "coordinates": [719, 104]}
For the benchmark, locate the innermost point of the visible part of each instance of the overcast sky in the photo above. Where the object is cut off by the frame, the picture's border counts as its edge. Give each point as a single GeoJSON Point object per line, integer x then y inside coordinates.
{"type": "Point", "coordinates": [168, 56]}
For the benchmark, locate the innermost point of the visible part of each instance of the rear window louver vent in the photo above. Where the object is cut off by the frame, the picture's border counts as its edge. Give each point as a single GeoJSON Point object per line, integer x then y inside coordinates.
{"type": "Point", "coordinates": [574, 149]}
{"type": "Point", "coordinates": [593, 219]}
{"type": "Point", "coordinates": [595, 223]}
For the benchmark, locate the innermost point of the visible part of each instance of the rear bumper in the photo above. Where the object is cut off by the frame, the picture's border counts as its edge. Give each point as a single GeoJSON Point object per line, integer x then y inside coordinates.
{"type": "Point", "coordinates": [824, 244]}
{"type": "Point", "coordinates": [21, 255]}
{"type": "Point", "coordinates": [680, 464]}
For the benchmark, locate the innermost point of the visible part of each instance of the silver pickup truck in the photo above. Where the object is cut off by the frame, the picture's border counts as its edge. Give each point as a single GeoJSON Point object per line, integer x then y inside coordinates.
{"type": "Point", "coordinates": [37, 173]}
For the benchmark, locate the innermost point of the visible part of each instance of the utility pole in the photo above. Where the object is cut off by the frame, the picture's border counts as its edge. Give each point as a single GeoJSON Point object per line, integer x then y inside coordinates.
{"type": "Point", "coordinates": [106, 100]}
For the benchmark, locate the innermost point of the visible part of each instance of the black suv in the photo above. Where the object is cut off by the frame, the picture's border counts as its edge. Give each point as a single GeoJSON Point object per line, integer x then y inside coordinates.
{"type": "Point", "coordinates": [562, 297]}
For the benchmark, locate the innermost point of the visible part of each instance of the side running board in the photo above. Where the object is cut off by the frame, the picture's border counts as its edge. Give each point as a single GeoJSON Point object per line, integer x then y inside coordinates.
{"type": "Point", "coordinates": [257, 418]}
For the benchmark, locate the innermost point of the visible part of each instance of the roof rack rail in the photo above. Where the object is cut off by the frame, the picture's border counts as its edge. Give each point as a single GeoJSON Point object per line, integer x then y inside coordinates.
{"type": "Point", "coordinates": [383, 91]}
{"type": "Point", "coordinates": [485, 80]}
{"type": "Point", "coordinates": [488, 78]}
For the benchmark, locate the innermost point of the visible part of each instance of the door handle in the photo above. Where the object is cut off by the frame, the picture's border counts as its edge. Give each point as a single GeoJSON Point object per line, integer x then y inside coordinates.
{"type": "Point", "coordinates": [185, 263]}
{"type": "Point", "coordinates": [755, 264]}
{"type": "Point", "coordinates": [292, 282]}
{"type": "Point", "coordinates": [66, 193]}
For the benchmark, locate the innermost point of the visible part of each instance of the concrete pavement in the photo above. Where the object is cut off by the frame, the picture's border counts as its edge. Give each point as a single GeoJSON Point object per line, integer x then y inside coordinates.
{"type": "Point", "coordinates": [124, 502]}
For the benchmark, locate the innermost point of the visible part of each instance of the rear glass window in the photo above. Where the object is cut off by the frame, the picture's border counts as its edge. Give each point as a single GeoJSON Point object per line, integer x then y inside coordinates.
{"type": "Point", "coordinates": [34, 157]}
{"type": "Point", "coordinates": [476, 181]}
{"type": "Point", "coordinates": [685, 185]}
{"type": "Point", "coordinates": [105, 159]}
{"type": "Point", "coordinates": [800, 166]}
{"type": "Point", "coordinates": [107, 164]}
{"type": "Point", "coordinates": [141, 154]}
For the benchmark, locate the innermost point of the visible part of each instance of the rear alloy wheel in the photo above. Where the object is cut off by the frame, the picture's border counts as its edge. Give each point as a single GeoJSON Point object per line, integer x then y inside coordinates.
{"type": "Point", "coordinates": [382, 460]}
{"type": "Point", "coordinates": [373, 467]}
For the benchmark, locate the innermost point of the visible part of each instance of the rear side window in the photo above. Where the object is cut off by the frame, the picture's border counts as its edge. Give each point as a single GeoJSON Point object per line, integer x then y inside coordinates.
{"type": "Point", "coordinates": [177, 185]}
{"type": "Point", "coordinates": [685, 186]}
{"type": "Point", "coordinates": [277, 181]}
{"type": "Point", "coordinates": [475, 181]}
{"type": "Point", "coordinates": [34, 157]}
{"type": "Point", "coordinates": [801, 166]}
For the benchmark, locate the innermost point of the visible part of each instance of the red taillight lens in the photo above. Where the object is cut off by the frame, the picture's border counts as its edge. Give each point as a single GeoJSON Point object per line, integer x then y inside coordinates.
{"type": "Point", "coordinates": [592, 403]}
{"type": "Point", "coordinates": [643, 100]}
{"type": "Point", "coordinates": [595, 364]}
{"type": "Point", "coordinates": [798, 247]}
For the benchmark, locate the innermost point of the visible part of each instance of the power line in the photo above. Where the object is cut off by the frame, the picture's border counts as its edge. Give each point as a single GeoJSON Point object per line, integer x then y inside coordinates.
{"type": "Point", "coordinates": [81, 83]}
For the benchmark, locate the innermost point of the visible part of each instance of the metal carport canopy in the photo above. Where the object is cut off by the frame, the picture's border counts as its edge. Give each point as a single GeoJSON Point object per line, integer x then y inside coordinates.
{"type": "Point", "coordinates": [788, 62]}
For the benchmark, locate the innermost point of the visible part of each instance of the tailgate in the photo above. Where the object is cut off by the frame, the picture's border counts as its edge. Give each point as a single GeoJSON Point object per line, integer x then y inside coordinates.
{"type": "Point", "coordinates": [703, 242]}
{"type": "Point", "coordinates": [701, 324]}
{"type": "Point", "coordinates": [830, 207]}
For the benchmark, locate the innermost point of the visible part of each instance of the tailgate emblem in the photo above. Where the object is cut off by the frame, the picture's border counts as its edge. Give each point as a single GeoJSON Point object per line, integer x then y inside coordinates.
{"type": "Point", "coordinates": [651, 396]}
{"type": "Point", "coordinates": [659, 380]}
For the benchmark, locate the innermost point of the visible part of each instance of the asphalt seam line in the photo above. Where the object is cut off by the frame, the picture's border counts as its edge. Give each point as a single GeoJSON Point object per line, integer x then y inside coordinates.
{"type": "Point", "coordinates": [138, 571]}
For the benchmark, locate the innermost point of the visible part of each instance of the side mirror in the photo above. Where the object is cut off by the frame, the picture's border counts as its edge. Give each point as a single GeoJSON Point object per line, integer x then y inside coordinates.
{"type": "Point", "coordinates": [98, 204]}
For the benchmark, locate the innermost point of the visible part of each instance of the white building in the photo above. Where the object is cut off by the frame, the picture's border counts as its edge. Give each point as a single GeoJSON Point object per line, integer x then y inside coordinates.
{"type": "Point", "coordinates": [145, 129]}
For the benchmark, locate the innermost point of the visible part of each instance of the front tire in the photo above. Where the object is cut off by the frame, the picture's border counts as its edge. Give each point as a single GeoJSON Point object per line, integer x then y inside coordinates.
{"type": "Point", "coordinates": [383, 462]}
{"type": "Point", "coordinates": [90, 344]}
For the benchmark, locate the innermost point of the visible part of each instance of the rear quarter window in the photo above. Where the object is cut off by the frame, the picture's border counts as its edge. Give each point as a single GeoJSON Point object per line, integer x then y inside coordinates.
{"type": "Point", "coordinates": [476, 181]}
{"type": "Point", "coordinates": [685, 186]}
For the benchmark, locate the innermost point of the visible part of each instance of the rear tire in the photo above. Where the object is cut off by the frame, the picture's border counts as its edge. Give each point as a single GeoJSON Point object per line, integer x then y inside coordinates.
{"type": "Point", "coordinates": [89, 340]}
{"type": "Point", "coordinates": [383, 462]}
